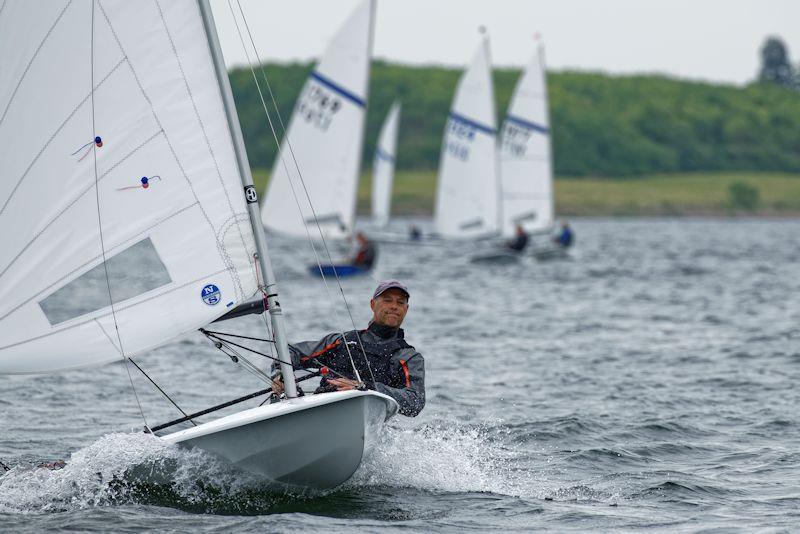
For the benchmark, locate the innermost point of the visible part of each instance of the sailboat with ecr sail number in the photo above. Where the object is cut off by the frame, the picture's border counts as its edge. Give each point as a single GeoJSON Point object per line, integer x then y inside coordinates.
{"type": "Point", "coordinates": [135, 221]}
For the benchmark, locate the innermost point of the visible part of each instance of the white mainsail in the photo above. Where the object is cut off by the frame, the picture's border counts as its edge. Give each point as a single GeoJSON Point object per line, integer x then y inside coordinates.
{"type": "Point", "coordinates": [525, 154]}
{"type": "Point", "coordinates": [325, 138]}
{"type": "Point", "coordinates": [120, 183]}
{"type": "Point", "coordinates": [383, 167]}
{"type": "Point", "coordinates": [468, 194]}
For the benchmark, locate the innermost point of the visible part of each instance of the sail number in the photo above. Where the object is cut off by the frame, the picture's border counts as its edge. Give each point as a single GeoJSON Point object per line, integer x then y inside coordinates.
{"type": "Point", "coordinates": [515, 140]}
{"type": "Point", "coordinates": [318, 106]}
{"type": "Point", "coordinates": [458, 140]}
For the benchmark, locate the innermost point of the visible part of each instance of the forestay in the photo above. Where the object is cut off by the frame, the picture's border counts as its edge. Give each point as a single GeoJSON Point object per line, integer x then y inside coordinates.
{"type": "Point", "coordinates": [525, 157]}
{"type": "Point", "coordinates": [468, 194]}
{"type": "Point", "coordinates": [324, 140]}
{"type": "Point", "coordinates": [147, 202]}
{"type": "Point", "coordinates": [383, 167]}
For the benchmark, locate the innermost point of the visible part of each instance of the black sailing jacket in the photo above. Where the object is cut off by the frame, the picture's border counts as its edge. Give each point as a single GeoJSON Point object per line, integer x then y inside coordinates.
{"type": "Point", "coordinates": [398, 369]}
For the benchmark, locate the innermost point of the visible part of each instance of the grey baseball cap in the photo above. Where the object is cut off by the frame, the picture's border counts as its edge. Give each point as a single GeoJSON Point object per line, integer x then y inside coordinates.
{"type": "Point", "coordinates": [389, 284]}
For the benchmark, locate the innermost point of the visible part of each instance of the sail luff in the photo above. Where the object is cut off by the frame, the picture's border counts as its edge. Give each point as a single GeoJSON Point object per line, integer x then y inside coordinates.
{"type": "Point", "coordinates": [251, 197]}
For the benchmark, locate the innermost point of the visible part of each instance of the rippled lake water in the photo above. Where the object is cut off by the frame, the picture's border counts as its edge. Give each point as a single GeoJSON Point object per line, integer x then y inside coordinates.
{"type": "Point", "coordinates": [650, 382]}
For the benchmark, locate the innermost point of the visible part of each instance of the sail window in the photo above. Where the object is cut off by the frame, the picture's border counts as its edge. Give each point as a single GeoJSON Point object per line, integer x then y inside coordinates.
{"type": "Point", "coordinates": [134, 271]}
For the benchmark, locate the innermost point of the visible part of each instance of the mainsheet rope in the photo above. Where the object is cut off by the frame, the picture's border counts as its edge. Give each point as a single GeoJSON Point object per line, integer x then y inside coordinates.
{"type": "Point", "coordinates": [302, 182]}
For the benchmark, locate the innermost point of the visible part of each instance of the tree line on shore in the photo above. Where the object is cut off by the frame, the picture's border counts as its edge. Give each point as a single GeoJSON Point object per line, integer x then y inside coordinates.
{"type": "Point", "coordinates": [602, 125]}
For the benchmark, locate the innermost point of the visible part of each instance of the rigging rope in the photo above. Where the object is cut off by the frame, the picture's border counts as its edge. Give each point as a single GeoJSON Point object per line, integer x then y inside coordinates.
{"type": "Point", "coordinates": [218, 341]}
{"type": "Point", "coordinates": [302, 182]}
{"type": "Point", "coordinates": [93, 148]}
{"type": "Point", "coordinates": [161, 390]}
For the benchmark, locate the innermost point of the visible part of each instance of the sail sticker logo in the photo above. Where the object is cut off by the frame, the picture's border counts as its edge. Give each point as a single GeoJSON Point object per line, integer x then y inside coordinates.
{"type": "Point", "coordinates": [144, 183]}
{"type": "Point", "coordinates": [211, 295]}
{"type": "Point", "coordinates": [250, 194]}
{"type": "Point", "coordinates": [97, 141]}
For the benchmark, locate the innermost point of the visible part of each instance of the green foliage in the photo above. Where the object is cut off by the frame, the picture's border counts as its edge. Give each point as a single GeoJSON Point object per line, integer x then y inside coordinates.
{"type": "Point", "coordinates": [602, 125]}
{"type": "Point", "coordinates": [775, 67]}
{"type": "Point", "coordinates": [743, 196]}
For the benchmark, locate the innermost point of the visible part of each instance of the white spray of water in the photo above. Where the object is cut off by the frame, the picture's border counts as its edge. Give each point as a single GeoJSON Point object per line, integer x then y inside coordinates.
{"type": "Point", "coordinates": [444, 457]}
{"type": "Point", "coordinates": [89, 477]}
{"type": "Point", "coordinates": [437, 457]}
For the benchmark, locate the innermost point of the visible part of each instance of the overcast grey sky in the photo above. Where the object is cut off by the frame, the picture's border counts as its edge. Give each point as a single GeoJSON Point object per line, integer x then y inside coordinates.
{"type": "Point", "coordinates": [715, 40]}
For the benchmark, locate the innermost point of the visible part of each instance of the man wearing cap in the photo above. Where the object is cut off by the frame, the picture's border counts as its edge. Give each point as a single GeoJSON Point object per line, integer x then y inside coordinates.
{"type": "Point", "coordinates": [384, 360]}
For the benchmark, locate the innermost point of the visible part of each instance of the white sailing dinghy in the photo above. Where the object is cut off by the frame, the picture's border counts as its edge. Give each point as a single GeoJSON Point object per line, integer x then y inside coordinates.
{"type": "Point", "coordinates": [525, 154]}
{"type": "Point", "coordinates": [324, 139]}
{"type": "Point", "coordinates": [526, 160]}
{"type": "Point", "coordinates": [130, 218]}
{"type": "Point", "coordinates": [383, 167]}
{"type": "Point", "coordinates": [468, 193]}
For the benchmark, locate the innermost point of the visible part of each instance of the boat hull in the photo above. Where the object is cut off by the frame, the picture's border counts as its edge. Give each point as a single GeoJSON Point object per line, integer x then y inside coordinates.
{"type": "Point", "coordinates": [316, 441]}
{"type": "Point", "coordinates": [341, 270]}
{"type": "Point", "coordinates": [501, 257]}
{"type": "Point", "coordinates": [552, 253]}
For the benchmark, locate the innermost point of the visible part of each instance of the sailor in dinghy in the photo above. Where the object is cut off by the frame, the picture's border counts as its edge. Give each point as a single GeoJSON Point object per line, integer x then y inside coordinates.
{"type": "Point", "coordinates": [377, 358]}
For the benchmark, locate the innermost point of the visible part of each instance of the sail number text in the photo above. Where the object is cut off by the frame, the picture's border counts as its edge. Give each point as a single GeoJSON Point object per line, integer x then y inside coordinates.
{"type": "Point", "coordinates": [515, 140]}
{"type": "Point", "coordinates": [318, 106]}
{"type": "Point", "coordinates": [458, 139]}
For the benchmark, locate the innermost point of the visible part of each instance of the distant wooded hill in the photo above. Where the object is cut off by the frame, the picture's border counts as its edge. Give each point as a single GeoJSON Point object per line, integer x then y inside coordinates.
{"type": "Point", "coordinates": [602, 125]}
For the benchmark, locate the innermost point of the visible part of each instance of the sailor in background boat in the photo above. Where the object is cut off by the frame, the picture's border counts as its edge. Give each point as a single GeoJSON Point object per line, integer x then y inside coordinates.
{"type": "Point", "coordinates": [386, 363]}
{"type": "Point", "coordinates": [414, 233]}
{"type": "Point", "coordinates": [565, 237]}
{"type": "Point", "coordinates": [520, 240]}
{"type": "Point", "coordinates": [366, 253]}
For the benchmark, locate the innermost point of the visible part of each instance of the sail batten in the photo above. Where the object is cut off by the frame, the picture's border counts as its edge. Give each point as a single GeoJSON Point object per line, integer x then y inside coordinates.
{"type": "Point", "coordinates": [176, 239]}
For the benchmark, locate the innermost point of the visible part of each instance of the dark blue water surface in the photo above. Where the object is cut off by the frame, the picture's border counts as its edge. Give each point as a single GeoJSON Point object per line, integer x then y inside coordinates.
{"type": "Point", "coordinates": [650, 382]}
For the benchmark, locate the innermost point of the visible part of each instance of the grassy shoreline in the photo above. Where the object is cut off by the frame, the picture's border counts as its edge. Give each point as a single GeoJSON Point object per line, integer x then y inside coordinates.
{"type": "Point", "coordinates": [703, 194]}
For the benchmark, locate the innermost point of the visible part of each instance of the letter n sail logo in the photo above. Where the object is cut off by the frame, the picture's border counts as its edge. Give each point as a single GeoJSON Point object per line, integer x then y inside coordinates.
{"type": "Point", "coordinates": [211, 295]}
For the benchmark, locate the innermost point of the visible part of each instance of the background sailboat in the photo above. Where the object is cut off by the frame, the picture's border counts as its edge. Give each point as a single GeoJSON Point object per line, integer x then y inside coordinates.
{"type": "Point", "coordinates": [324, 139]}
{"type": "Point", "coordinates": [525, 154]}
{"type": "Point", "coordinates": [468, 192]}
{"type": "Point", "coordinates": [383, 167]}
{"type": "Point", "coordinates": [131, 224]}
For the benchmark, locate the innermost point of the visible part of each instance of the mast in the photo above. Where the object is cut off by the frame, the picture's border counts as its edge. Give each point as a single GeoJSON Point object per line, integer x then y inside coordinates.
{"type": "Point", "coordinates": [271, 286]}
